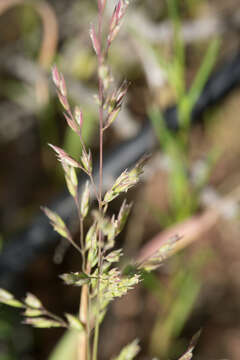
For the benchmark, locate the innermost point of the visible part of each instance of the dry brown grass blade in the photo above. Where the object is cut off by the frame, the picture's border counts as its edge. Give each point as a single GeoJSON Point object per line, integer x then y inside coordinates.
{"type": "Point", "coordinates": [49, 40]}
{"type": "Point", "coordinates": [189, 230]}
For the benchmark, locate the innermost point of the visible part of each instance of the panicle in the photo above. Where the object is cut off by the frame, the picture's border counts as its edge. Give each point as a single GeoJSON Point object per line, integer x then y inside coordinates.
{"type": "Point", "coordinates": [63, 100]}
{"type": "Point", "coordinates": [63, 157]}
{"type": "Point", "coordinates": [86, 160]}
{"type": "Point", "coordinates": [114, 104]}
{"type": "Point", "coordinates": [59, 81]}
{"type": "Point", "coordinates": [72, 124]}
{"type": "Point", "coordinates": [116, 20]}
{"type": "Point", "coordinates": [126, 180]}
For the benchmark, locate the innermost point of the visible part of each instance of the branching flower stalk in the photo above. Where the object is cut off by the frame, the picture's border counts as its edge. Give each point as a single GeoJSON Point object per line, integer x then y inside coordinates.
{"type": "Point", "coordinates": [100, 280]}
{"type": "Point", "coordinates": [97, 44]}
{"type": "Point", "coordinates": [103, 83]}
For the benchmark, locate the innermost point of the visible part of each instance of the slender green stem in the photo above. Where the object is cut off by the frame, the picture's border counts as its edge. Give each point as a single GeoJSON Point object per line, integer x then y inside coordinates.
{"type": "Point", "coordinates": [82, 242]}
{"type": "Point", "coordinates": [94, 187]}
{"type": "Point", "coordinates": [96, 336]}
{"type": "Point", "coordinates": [101, 114]}
{"type": "Point", "coordinates": [97, 322]}
{"type": "Point", "coordinates": [83, 343]}
{"type": "Point", "coordinates": [55, 317]}
{"type": "Point", "coordinates": [81, 249]}
{"type": "Point", "coordinates": [89, 325]}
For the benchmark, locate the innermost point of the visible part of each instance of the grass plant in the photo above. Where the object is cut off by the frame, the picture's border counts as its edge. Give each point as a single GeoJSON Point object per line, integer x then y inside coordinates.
{"type": "Point", "coordinates": [176, 145]}
{"type": "Point", "coordinates": [184, 190]}
{"type": "Point", "coordinates": [99, 278]}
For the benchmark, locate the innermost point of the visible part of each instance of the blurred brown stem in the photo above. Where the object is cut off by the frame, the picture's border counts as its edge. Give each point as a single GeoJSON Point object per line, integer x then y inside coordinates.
{"type": "Point", "coordinates": [49, 39]}
{"type": "Point", "coordinates": [50, 27]}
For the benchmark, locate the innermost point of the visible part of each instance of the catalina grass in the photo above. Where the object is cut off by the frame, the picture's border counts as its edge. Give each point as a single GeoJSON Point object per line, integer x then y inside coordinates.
{"type": "Point", "coordinates": [99, 279]}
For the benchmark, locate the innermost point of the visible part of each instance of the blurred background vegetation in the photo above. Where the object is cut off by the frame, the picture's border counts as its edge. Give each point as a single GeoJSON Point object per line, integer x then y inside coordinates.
{"type": "Point", "coordinates": [167, 50]}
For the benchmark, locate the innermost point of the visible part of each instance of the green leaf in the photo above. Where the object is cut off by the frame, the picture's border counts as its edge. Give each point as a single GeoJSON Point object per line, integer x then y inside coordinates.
{"type": "Point", "coordinates": [165, 137]}
{"type": "Point", "coordinates": [203, 73]}
{"type": "Point", "coordinates": [66, 347]}
{"type": "Point", "coordinates": [176, 70]}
